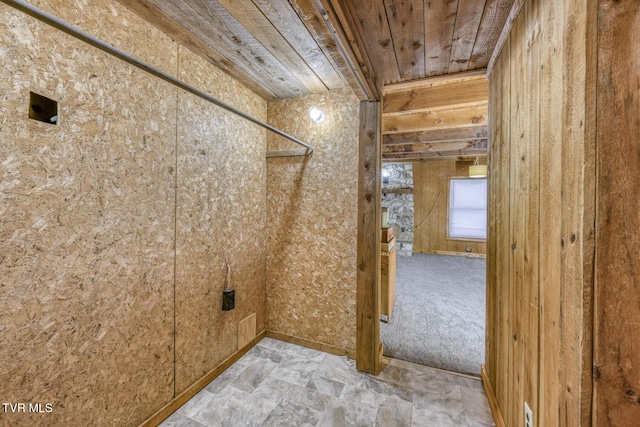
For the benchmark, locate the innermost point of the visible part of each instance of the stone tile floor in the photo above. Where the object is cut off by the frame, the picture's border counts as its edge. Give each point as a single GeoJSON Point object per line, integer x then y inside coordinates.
{"type": "Point", "coordinates": [282, 384]}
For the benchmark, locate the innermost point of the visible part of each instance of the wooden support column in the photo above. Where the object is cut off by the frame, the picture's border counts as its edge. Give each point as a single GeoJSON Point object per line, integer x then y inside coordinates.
{"type": "Point", "coordinates": [368, 345]}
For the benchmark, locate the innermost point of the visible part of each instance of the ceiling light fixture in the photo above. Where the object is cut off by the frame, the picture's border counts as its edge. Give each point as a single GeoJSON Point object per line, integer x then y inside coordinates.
{"type": "Point", "coordinates": [316, 115]}
{"type": "Point", "coordinates": [477, 171]}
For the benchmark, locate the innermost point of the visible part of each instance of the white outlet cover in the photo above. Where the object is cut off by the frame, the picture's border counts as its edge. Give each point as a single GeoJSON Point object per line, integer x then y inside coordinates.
{"type": "Point", "coordinates": [528, 416]}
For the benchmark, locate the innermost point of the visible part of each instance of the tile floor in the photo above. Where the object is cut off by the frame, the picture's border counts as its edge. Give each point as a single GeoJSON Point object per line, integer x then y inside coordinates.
{"type": "Point", "coordinates": [282, 384]}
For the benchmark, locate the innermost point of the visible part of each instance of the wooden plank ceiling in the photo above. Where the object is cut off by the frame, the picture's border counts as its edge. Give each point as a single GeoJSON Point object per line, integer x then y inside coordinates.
{"type": "Point", "coordinates": [289, 48]}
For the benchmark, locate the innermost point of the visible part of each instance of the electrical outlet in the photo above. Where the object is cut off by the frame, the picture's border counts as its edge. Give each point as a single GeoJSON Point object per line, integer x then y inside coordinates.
{"type": "Point", "coordinates": [528, 416]}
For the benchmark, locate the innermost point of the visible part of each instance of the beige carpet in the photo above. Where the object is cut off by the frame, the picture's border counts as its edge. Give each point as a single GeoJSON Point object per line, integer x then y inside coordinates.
{"type": "Point", "coordinates": [439, 317]}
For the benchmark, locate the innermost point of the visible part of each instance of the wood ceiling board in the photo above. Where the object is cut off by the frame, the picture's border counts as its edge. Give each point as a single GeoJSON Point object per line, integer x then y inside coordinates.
{"type": "Point", "coordinates": [154, 15]}
{"type": "Point", "coordinates": [252, 18]}
{"type": "Point", "coordinates": [504, 34]}
{"type": "Point", "coordinates": [466, 30]}
{"type": "Point", "coordinates": [439, 25]}
{"type": "Point", "coordinates": [213, 24]}
{"type": "Point", "coordinates": [285, 19]}
{"type": "Point", "coordinates": [406, 23]}
{"type": "Point", "coordinates": [313, 19]}
{"type": "Point", "coordinates": [373, 27]}
{"type": "Point", "coordinates": [453, 94]}
{"type": "Point", "coordinates": [436, 146]}
{"type": "Point", "coordinates": [430, 120]}
{"type": "Point", "coordinates": [438, 135]}
{"type": "Point", "coordinates": [493, 20]}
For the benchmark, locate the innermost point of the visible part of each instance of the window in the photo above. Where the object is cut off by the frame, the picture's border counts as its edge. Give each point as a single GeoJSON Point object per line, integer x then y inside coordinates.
{"type": "Point", "coordinates": [468, 209]}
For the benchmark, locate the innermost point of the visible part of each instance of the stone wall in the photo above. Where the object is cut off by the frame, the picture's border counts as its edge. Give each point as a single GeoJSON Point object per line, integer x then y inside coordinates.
{"type": "Point", "coordinates": [399, 176]}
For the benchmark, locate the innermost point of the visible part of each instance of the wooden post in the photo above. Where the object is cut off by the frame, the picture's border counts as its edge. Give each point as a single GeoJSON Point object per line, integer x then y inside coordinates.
{"type": "Point", "coordinates": [368, 345]}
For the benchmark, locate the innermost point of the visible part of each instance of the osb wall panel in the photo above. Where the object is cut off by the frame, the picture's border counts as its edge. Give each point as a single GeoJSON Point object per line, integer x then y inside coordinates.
{"type": "Point", "coordinates": [542, 214]}
{"type": "Point", "coordinates": [86, 225]}
{"type": "Point", "coordinates": [431, 198]}
{"type": "Point", "coordinates": [312, 214]}
{"type": "Point", "coordinates": [221, 211]}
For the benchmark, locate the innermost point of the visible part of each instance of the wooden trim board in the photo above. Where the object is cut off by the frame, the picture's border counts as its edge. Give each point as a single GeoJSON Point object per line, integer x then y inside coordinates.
{"type": "Point", "coordinates": [164, 412]}
{"type": "Point", "coordinates": [491, 397]}
{"type": "Point", "coordinates": [315, 345]}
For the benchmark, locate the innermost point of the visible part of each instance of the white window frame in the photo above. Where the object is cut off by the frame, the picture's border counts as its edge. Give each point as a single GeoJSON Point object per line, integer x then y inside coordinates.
{"type": "Point", "coordinates": [483, 209]}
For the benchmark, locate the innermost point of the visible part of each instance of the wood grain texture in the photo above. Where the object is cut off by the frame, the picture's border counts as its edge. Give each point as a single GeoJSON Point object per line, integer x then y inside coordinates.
{"type": "Point", "coordinates": [376, 35]}
{"type": "Point", "coordinates": [435, 81]}
{"type": "Point", "coordinates": [86, 228]}
{"type": "Point", "coordinates": [468, 19]}
{"type": "Point", "coordinates": [436, 136]}
{"type": "Point", "coordinates": [446, 95]}
{"type": "Point", "coordinates": [285, 19]}
{"type": "Point", "coordinates": [445, 118]}
{"type": "Point", "coordinates": [368, 345]}
{"type": "Point", "coordinates": [406, 24]}
{"type": "Point", "coordinates": [542, 163]}
{"type": "Point", "coordinates": [439, 25]}
{"type": "Point", "coordinates": [431, 201]}
{"type": "Point", "coordinates": [163, 22]}
{"type": "Point", "coordinates": [312, 208]}
{"type": "Point", "coordinates": [617, 352]}
{"type": "Point", "coordinates": [493, 20]}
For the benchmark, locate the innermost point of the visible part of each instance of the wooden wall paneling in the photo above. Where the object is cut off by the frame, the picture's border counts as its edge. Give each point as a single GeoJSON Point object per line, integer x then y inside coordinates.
{"type": "Point", "coordinates": [368, 345]}
{"type": "Point", "coordinates": [617, 349]}
{"type": "Point", "coordinates": [162, 21]}
{"type": "Point", "coordinates": [439, 24]}
{"type": "Point", "coordinates": [446, 95]}
{"type": "Point", "coordinates": [515, 411]}
{"type": "Point", "coordinates": [493, 19]}
{"type": "Point", "coordinates": [406, 23]}
{"type": "Point", "coordinates": [504, 34]}
{"type": "Point", "coordinates": [551, 99]}
{"type": "Point", "coordinates": [578, 164]}
{"type": "Point", "coordinates": [260, 27]}
{"type": "Point", "coordinates": [285, 19]}
{"type": "Point", "coordinates": [437, 119]}
{"type": "Point", "coordinates": [465, 33]}
{"type": "Point", "coordinates": [531, 202]}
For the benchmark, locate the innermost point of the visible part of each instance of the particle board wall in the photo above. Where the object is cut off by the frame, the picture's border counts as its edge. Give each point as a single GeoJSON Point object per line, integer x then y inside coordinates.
{"type": "Point", "coordinates": [617, 311]}
{"type": "Point", "coordinates": [88, 219]}
{"type": "Point", "coordinates": [541, 215]}
{"type": "Point", "coordinates": [221, 214]}
{"type": "Point", "coordinates": [431, 198]}
{"type": "Point", "coordinates": [312, 230]}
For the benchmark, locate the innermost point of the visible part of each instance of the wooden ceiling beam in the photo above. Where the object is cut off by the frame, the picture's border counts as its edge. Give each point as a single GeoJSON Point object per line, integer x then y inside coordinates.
{"type": "Point", "coordinates": [451, 95]}
{"type": "Point", "coordinates": [436, 154]}
{"type": "Point", "coordinates": [444, 79]}
{"type": "Point", "coordinates": [481, 144]}
{"type": "Point", "coordinates": [468, 116]}
{"type": "Point", "coordinates": [437, 135]}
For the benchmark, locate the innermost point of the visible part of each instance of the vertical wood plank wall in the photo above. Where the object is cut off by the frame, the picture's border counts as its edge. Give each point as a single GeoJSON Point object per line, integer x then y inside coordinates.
{"type": "Point", "coordinates": [541, 216]}
{"type": "Point", "coordinates": [617, 344]}
{"type": "Point", "coordinates": [95, 212]}
{"type": "Point", "coordinates": [431, 198]}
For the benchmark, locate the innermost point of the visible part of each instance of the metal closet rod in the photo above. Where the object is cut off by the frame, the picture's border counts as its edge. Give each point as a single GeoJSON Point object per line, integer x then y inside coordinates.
{"type": "Point", "coordinates": [105, 47]}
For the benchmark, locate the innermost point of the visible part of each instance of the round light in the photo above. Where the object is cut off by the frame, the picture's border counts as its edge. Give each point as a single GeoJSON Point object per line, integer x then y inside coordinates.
{"type": "Point", "coordinates": [316, 115]}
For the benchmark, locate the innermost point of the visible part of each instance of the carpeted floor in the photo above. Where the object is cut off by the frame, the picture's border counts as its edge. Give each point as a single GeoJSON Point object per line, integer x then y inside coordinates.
{"type": "Point", "coordinates": [439, 317]}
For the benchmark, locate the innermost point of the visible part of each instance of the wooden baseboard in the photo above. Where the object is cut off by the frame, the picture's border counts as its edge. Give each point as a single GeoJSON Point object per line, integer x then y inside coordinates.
{"type": "Point", "coordinates": [183, 397]}
{"type": "Point", "coordinates": [464, 254]}
{"type": "Point", "coordinates": [491, 397]}
{"type": "Point", "coordinates": [327, 348]}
